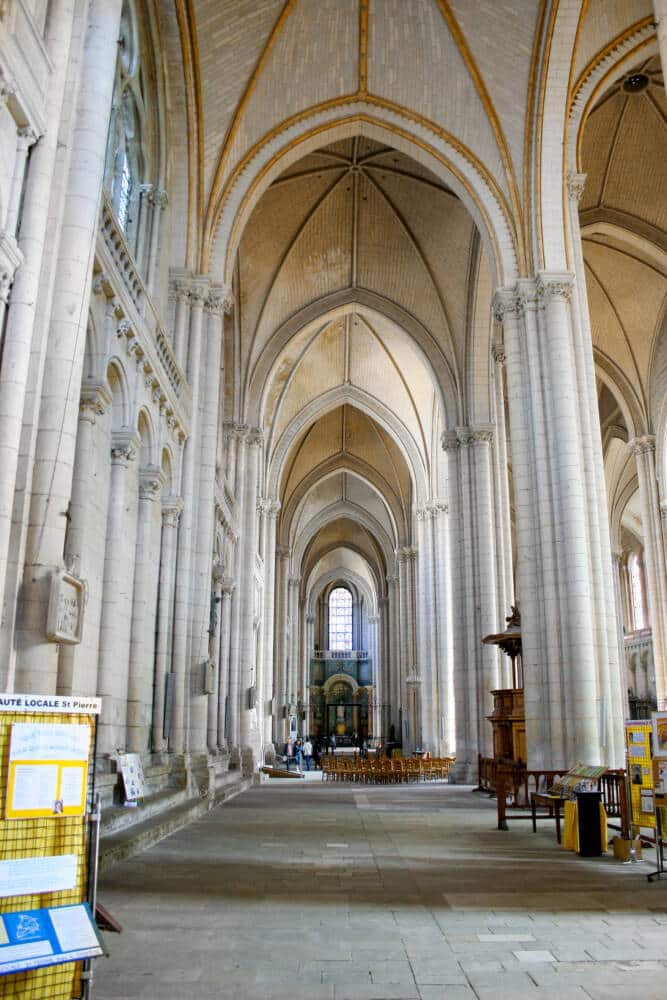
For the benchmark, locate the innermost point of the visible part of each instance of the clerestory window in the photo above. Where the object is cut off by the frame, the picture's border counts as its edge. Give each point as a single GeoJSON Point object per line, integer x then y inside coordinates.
{"type": "Point", "coordinates": [340, 619]}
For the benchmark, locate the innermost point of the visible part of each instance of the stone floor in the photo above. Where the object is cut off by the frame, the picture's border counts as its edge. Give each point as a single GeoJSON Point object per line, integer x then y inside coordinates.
{"type": "Point", "coordinates": [301, 891]}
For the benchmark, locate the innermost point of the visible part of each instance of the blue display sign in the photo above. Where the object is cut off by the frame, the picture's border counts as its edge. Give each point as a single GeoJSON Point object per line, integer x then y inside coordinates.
{"type": "Point", "coordinates": [32, 939]}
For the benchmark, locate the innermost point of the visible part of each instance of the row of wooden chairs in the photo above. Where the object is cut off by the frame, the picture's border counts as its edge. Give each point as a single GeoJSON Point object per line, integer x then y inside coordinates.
{"type": "Point", "coordinates": [381, 771]}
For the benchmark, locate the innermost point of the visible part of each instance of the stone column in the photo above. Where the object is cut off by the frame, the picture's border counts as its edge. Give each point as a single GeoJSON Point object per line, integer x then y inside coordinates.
{"type": "Point", "coordinates": [171, 512]}
{"type": "Point", "coordinates": [269, 512]}
{"type": "Point", "coordinates": [660, 11]}
{"type": "Point", "coordinates": [281, 644]}
{"type": "Point", "coordinates": [250, 734]}
{"type": "Point", "coordinates": [654, 558]}
{"type": "Point", "coordinates": [158, 200]}
{"type": "Point", "coordinates": [395, 675]}
{"type": "Point", "coordinates": [18, 332]}
{"type": "Point", "coordinates": [25, 138]}
{"type": "Point", "coordinates": [212, 735]}
{"type": "Point", "coordinates": [504, 573]}
{"type": "Point", "coordinates": [178, 739]}
{"type": "Point", "coordinates": [144, 607]}
{"type": "Point", "coordinates": [617, 558]}
{"type": "Point", "coordinates": [563, 679]}
{"type": "Point", "coordinates": [476, 668]}
{"type": "Point", "coordinates": [227, 589]}
{"type": "Point", "coordinates": [202, 709]}
{"type": "Point", "coordinates": [240, 556]}
{"type": "Point", "coordinates": [426, 632]}
{"type": "Point", "coordinates": [409, 666]}
{"type": "Point", "coordinates": [114, 654]}
{"type": "Point", "coordinates": [58, 419]}
{"type": "Point", "coordinates": [444, 619]}
{"type": "Point", "coordinates": [76, 673]}
{"type": "Point", "coordinates": [609, 656]}
{"type": "Point", "coordinates": [181, 320]}
{"type": "Point", "coordinates": [377, 689]}
{"type": "Point", "coordinates": [293, 671]}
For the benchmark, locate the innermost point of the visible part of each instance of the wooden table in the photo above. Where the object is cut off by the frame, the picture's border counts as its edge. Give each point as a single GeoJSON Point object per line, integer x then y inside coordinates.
{"type": "Point", "coordinates": [554, 803]}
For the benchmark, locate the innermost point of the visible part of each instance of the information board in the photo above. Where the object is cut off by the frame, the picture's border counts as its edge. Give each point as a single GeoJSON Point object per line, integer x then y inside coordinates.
{"type": "Point", "coordinates": [33, 939]}
{"type": "Point", "coordinates": [640, 770]}
{"type": "Point", "coordinates": [48, 770]}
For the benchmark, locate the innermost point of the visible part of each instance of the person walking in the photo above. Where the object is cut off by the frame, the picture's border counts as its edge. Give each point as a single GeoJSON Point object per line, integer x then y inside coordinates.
{"type": "Point", "coordinates": [289, 753]}
{"type": "Point", "coordinates": [298, 749]}
{"type": "Point", "coordinates": [307, 752]}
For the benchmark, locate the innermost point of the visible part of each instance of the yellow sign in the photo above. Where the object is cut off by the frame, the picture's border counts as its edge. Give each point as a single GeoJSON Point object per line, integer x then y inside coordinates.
{"type": "Point", "coordinates": [640, 769]}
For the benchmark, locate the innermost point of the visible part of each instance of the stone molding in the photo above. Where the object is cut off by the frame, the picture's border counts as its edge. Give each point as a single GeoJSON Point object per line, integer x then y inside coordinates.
{"type": "Point", "coordinates": [282, 551]}
{"type": "Point", "coordinates": [294, 581]}
{"type": "Point", "coordinates": [227, 586]}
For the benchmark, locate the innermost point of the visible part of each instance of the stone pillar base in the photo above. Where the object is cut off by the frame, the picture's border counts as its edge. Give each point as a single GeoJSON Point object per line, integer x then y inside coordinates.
{"type": "Point", "coordinates": [247, 762]}
{"type": "Point", "coordinates": [234, 758]}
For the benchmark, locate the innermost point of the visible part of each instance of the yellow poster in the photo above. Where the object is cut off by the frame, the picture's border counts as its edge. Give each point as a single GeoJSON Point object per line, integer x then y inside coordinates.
{"type": "Point", "coordinates": [640, 770]}
{"type": "Point", "coordinates": [48, 770]}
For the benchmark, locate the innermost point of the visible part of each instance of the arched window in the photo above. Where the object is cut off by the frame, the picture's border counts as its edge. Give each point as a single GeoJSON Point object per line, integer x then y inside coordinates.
{"type": "Point", "coordinates": [637, 593]}
{"type": "Point", "coordinates": [130, 152]}
{"type": "Point", "coordinates": [340, 618]}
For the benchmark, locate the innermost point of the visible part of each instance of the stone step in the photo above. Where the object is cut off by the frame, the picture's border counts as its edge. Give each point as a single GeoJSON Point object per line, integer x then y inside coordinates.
{"type": "Point", "coordinates": [121, 842]}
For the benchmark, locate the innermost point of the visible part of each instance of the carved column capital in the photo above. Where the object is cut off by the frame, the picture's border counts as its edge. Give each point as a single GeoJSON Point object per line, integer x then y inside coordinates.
{"type": "Point", "coordinates": [25, 138]}
{"type": "Point", "coordinates": [505, 303]}
{"type": "Point", "coordinates": [95, 400]}
{"type": "Point", "coordinates": [644, 445]}
{"type": "Point", "coordinates": [450, 441]}
{"type": "Point", "coordinates": [198, 294]}
{"type": "Point", "coordinates": [554, 286]}
{"type": "Point", "coordinates": [269, 508]}
{"type": "Point", "coordinates": [220, 300]}
{"type": "Point", "coordinates": [482, 434]}
{"type": "Point", "coordinates": [575, 186]}
{"type": "Point", "coordinates": [124, 447]}
{"type": "Point", "coordinates": [406, 554]}
{"type": "Point", "coordinates": [158, 197]}
{"type": "Point", "coordinates": [498, 352]}
{"type": "Point", "coordinates": [151, 481]}
{"type": "Point", "coordinates": [254, 437]}
{"type": "Point", "coordinates": [172, 507]}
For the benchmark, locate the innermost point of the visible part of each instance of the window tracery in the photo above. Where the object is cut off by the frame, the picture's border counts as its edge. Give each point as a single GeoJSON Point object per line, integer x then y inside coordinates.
{"type": "Point", "coordinates": [130, 160]}
{"type": "Point", "coordinates": [340, 619]}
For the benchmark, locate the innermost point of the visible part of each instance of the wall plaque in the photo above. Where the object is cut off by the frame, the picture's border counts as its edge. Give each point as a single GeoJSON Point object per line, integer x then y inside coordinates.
{"type": "Point", "coordinates": [64, 620]}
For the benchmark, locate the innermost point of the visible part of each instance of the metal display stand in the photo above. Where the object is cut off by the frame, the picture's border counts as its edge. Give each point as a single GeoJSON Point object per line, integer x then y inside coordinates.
{"type": "Point", "coordinates": [659, 844]}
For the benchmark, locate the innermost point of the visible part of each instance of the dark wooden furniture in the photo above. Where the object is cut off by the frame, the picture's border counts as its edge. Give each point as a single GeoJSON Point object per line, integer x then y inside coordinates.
{"type": "Point", "coordinates": [554, 803]}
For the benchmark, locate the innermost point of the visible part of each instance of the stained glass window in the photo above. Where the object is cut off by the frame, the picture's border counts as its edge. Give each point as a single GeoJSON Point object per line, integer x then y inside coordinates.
{"type": "Point", "coordinates": [340, 619]}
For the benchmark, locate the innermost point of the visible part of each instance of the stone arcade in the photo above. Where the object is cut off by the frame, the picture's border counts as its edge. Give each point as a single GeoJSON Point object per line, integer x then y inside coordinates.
{"type": "Point", "coordinates": [330, 330]}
